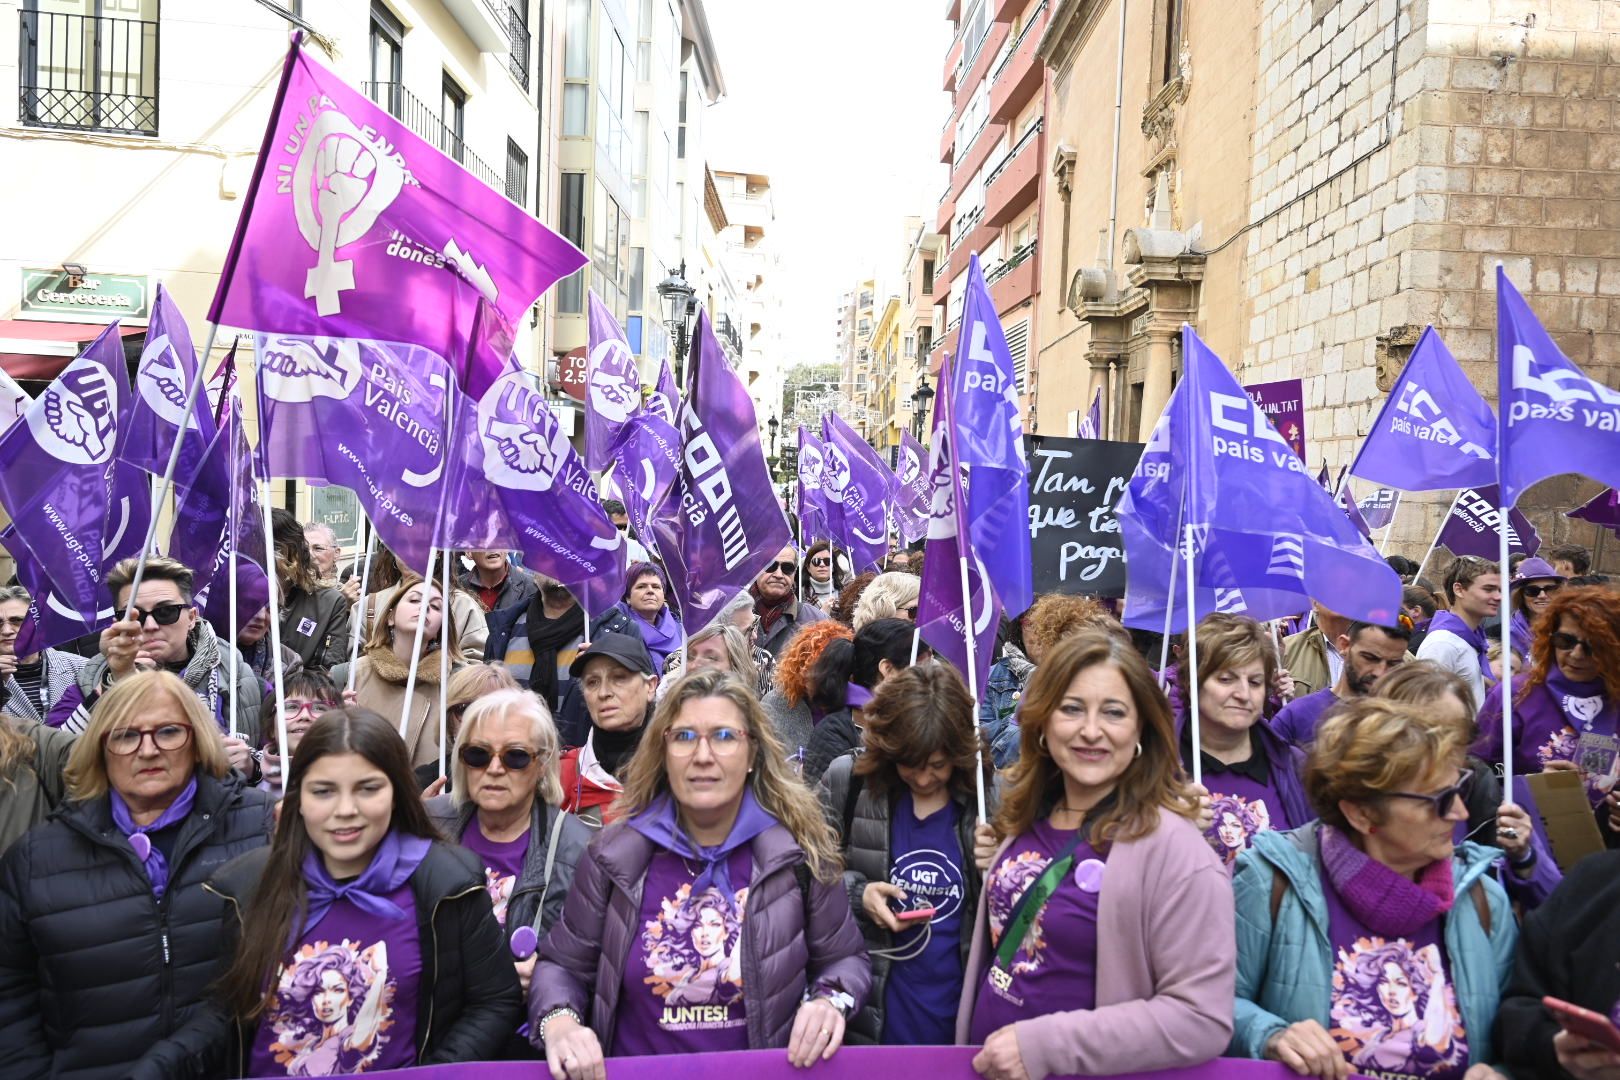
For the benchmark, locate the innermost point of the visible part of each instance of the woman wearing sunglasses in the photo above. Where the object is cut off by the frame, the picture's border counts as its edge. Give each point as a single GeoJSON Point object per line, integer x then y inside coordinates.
{"type": "Point", "coordinates": [821, 576]}
{"type": "Point", "coordinates": [718, 866]}
{"type": "Point", "coordinates": [1370, 941]}
{"type": "Point", "coordinates": [1566, 707]}
{"type": "Point", "coordinates": [1531, 588]}
{"type": "Point", "coordinates": [468, 683]}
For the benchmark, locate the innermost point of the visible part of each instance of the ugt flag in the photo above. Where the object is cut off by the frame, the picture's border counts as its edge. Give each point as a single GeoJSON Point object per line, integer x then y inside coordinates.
{"type": "Point", "coordinates": [944, 617]}
{"type": "Point", "coordinates": [855, 486]}
{"type": "Point", "coordinates": [663, 399]}
{"type": "Point", "coordinates": [725, 524]}
{"type": "Point", "coordinates": [1434, 431]}
{"type": "Point", "coordinates": [1554, 418]}
{"type": "Point", "coordinates": [163, 382]}
{"type": "Point", "coordinates": [74, 506]}
{"type": "Point", "coordinates": [811, 499]}
{"type": "Point", "coordinates": [612, 386]}
{"type": "Point", "coordinates": [356, 228]}
{"type": "Point", "coordinates": [518, 484]}
{"type": "Point", "coordinates": [1261, 526]}
{"type": "Point", "coordinates": [1603, 510]}
{"type": "Point", "coordinates": [1470, 526]}
{"type": "Point", "coordinates": [991, 444]}
{"type": "Point", "coordinates": [912, 501]}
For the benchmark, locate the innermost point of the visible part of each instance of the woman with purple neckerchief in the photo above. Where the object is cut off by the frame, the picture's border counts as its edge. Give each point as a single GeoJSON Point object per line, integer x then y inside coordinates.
{"type": "Point", "coordinates": [646, 603]}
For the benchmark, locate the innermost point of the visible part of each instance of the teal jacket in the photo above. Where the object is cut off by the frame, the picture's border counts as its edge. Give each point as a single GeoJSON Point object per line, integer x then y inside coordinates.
{"type": "Point", "coordinates": [1285, 967]}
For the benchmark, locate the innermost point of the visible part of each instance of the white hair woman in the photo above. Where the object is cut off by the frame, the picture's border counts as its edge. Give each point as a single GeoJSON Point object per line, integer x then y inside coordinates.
{"type": "Point", "coordinates": [890, 596]}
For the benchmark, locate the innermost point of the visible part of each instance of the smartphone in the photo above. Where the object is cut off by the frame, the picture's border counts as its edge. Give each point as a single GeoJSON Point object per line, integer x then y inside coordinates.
{"type": "Point", "coordinates": [924, 913]}
{"type": "Point", "coordinates": [1594, 1027]}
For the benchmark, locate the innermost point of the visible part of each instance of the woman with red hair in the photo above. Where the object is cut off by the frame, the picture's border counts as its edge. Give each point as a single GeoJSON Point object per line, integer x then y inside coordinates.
{"type": "Point", "coordinates": [792, 705]}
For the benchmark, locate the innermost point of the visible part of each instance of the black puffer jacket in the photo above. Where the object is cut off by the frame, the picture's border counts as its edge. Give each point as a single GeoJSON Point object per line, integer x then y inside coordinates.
{"type": "Point", "coordinates": [474, 1001]}
{"type": "Point", "coordinates": [97, 978]}
{"type": "Point", "coordinates": [867, 858]}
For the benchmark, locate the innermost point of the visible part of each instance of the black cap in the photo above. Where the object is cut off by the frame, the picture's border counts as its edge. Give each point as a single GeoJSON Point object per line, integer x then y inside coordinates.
{"type": "Point", "coordinates": [627, 650]}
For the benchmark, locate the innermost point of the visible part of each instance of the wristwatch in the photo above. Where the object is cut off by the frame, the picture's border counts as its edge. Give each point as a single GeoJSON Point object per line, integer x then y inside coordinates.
{"type": "Point", "coordinates": [844, 1003]}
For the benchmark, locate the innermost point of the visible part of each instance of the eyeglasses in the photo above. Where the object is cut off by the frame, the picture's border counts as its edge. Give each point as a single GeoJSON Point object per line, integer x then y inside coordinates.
{"type": "Point", "coordinates": [723, 742]}
{"type": "Point", "coordinates": [820, 560]}
{"type": "Point", "coordinates": [294, 706]}
{"type": "Point", "coordinates": [1442, 801]}
{"type": "Point", "coordinates": [127, 740]}
{"type": "Point", "coordinates": [1534, 591]}
{"type": "Point", "coordinates": [1569, 643]}
{"type": "Point", "coordinates": [163, 614]}
{"type": "Point", "coordinates": [784, 567]}
{"type": "Point", "coordinates": [910, 612]}
{"type": "Point", "coordinates": [513, 758]}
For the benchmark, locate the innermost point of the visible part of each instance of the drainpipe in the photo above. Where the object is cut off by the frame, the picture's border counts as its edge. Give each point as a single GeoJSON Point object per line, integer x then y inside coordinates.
{"type": "Point", "coordinates": [1111, 414]}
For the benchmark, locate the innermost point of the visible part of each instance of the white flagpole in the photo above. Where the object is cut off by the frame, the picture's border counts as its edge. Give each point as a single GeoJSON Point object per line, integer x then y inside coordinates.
{"type": "Point", "coordinates": [1192, 666]}
{"type": "Point", "coordinates": [1389, 530]}
{"type": "Point", "coordinates": [275, 621]}
{"type": "Point", "coordinates": [972, 679]}
{"type": "Point", "coordinates": [365, 581]}
{"type": "Point", "coordinates": [444, 670]}
{"type": "Point", "coordinates": [1170, 605]}
{"type": "Point", "coordinates": [416, 648]}
{"type": "Point", "coordinates": [1436, 541]}
{"type": "Point", "coordinates": [1507, 660]}
{"type": "Point", "coordinates": [230, 569]}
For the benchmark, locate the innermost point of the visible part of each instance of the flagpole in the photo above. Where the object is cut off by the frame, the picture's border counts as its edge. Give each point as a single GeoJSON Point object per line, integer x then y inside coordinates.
{"type": "Point", "coordinates": [230, 568]}
{"type": "Point", "coordinates": [1436, 541]}
{"type": "Point", "coordinates": [1389, 530]}
{"type": "Point", "coordinates": [1170, 603]}
{"type": "Point", "coordinates": [972, 680]}
{"type": "Point", "coordinates": [444, 669]}
{"type": "Point", "coordinates": [275, 621]}
{"type": "Point", "coordinates": [370, 546]}
{"type": "Point", "coordinates": [1192, 666]}
{"type": "Point", "coordinates": [416, 646]}
{"type": "Point", "coordinates": [167, 483]}
{"type": "Point", "coordinates": [1507, 661]}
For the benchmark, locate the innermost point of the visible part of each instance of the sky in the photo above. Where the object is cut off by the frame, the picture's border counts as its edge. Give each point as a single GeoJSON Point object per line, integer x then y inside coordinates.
{"type": "Point", "coordinates": [840, 103]}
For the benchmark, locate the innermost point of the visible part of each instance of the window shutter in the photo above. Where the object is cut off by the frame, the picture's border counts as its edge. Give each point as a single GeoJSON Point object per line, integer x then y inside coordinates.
{"type": "Point", "coordinates": [1018, 347]}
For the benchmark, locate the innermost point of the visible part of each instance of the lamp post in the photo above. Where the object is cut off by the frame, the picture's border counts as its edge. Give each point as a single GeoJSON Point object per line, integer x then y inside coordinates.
{"type": "Point", "coordinates": [773, 424]}
{"type": "Point", "coordinates": [677, 294]}
{"type": "Point", "coordinates": [919, 401]}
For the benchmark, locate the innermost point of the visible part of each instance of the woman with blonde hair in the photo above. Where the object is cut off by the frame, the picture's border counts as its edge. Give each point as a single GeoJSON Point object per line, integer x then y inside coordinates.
{"type": "Point", "coordinates": [32, 757]}
{"type": "Point", "coordinates": [890, 596]}
{"type": "Point", "coordinates": [109, 941]}
{"type": "Point", "coordinates": [1371, 941]}
{"type": "Point", "coordinates": [385, 664]}
{"type": "Point", "coordinates": [1103, 942]}
{"type": "Point", "coordinates": [719, 646]}
{"type": "Point", "coordinates": [718, 861]}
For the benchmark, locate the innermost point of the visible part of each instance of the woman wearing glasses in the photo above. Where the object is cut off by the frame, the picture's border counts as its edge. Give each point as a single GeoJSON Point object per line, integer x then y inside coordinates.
{"type": "Point", "coordinates": [109, 941]}
{"type": "Point", "coordinates": [1531, 589]}
{"type": "Point", "coordinates": [820, 576]}
{"type": "Point", "coordinates": [1566, 707]}
{"type": "Point", "coordinates": [712, 914]}
{"type": "Point", "coordinates": [305, 695]}
{"type": "Point", "coordinates": [1370, 941]}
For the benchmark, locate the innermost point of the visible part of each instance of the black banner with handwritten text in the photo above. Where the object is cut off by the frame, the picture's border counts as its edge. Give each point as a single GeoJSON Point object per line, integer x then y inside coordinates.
{"type": "Point", "coordinates": [1074, 537]}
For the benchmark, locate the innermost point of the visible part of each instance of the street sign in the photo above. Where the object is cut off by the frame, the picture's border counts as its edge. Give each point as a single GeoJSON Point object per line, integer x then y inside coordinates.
{"type": "Point", "coordinates": [52, 295]}
{"type": "Point", "coordinates": [338, 508]}
{"type": "Point", "coordinates": [571, 374]}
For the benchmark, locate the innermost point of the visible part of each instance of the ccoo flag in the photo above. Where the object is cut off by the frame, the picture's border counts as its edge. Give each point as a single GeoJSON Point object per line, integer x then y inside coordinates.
{"type": "Point", "coordinates": [1434, 432]}
{"type": "Point", "coordinates": [1262, 527]}
{"type": "Point", "coordinates": [1603, 510]}
{"type": "Point", "coordinates": [855, 484]}
{"type": "Point", "coordinates": [1470, 526]}
{"type": "Point", "coordinates": [811, 499]}
{"type": "Point", "coordinates": [725, 523]}
{"type": "Point", "coordinates": [1554, 418]}
{"type": "Point", "coordinates": [1347, 502]}
{"type": "Point", "coordinates": [1378, 509]}
{"type": "Point", "coordinates": [991, 444]}
{"type": "Point", "coordinates": [912, 502]}
{"type": "Point", "coordinates": [355, 227]}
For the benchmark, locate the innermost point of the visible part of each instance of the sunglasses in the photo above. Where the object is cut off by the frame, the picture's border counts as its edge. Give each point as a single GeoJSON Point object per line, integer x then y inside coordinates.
{"type": "Point", "coordinates": [784, 567]}
{"type": "Point", "coordinates": [821, 560]}
{"type": "Point", "coordinates": [910, 612]}
{"type": "Point", "coordinates": [163, 614]}
{"type": "Point", "coordinates": [514, 759]}
{"type": "Point", "coordinates": [1534, 591]}
{"type": "Point", "coordinates": [1442, 801]}
{"type": "Point", "coordinates": [1569, 643]}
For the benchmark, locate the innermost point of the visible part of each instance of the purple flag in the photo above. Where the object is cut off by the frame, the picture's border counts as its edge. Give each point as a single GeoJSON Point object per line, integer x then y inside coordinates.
{"type": "Point", "coordinates": [14, 401]}
{"type": "Point", "coordinates": [72, 502]}
{"type": "Point", "coordinates": [1554, 418]}
{"type": "Point", "coordinates": [1378, 509]}
{"type": "Point", "coordinates": [368, 415]}
{"type": "Point", "coordinates": [913, 503]}
{"type": "Point", "coordinates": [1347, 502]}
{"type": "Point", "coordinates": [1283, 402]}
{"type": "Point", "coordinates": [1603, 510]}
{"type": "Point", "coordinates": [725, 523]}
{"type": "Point", "coordinates": [855, 484]}
{"type": "Point", "coordinates": [645, 470]}
{"type": "Point", "coordinates": [355, 227]}
{"type": "Point", "coordinates": [163, 381]}
{"type": "Point", "coordinates": [942, 612]}
{"type": "Point", "coordinates": [1263, 529]}
{"type": "Point", "coordinates": [664, 399]}
{"type": "Point", "coordinates": [811, 499]}
{"type": "Point", "coordinates": [991, 445]}
{"type": "Point", "coordinates": [1091, 423]}
{"type": "Point", "coordinates": [519, 484]}
{"type": "Point", "coordinates": [612, 386]}
{"type": "Point", "coordinates": [1434, 431]}
{"type": "Point", "coordinates": [1470, 527]}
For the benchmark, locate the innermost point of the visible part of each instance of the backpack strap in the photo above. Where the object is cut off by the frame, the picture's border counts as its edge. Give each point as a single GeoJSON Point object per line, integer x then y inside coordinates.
{"type": "Point", "coordinates": [852, 796]}
{"type": "Point", "coordinates": [557, 816]}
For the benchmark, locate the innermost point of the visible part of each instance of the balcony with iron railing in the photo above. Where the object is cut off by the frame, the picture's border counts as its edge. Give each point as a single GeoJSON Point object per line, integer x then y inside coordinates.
{"type": "Point", "coordinates": [87, 72]}
{"type": "Point", "coordinates": [1016, 78]}
{"type": "Point", "coordinates": [1013, 282]}
{"type": "Point", "coordinates": [518, 37]}
{"type": "Point", "coordinates": [1015, 180]}
{"type": "Point", "coordinates": [414, 113]}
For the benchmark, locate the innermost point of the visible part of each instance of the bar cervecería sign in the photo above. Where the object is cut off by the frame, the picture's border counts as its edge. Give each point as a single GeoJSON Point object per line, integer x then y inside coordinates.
{"type": "Point", "coordinates": [52, 295]}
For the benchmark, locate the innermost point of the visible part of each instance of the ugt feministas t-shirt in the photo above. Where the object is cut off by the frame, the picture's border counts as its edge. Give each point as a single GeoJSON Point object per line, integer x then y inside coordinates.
{"type": "Point", "coordinates": [919, 999]}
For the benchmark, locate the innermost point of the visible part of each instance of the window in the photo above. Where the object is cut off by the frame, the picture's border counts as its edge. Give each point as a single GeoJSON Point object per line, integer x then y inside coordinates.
{"type": "Point", "coordinates": [517, 172]}
{"type": "Point", "coordinates": [612, 131]}
{"type": "Point", "coordinates": [571, 290]}
{"type": "Point", "coordinates": [638, 163]}
{"type": "Point", "coordinates": [387, 51]}
{"type": "Point", "coordinates": [453, 108]}
{"type": "Point", "coordinates": [928, 276]}
{"type": "Point", "coordinates": [576, 102]}
{"type": "Point", "coordinates": [89, 71]}
{"type": "Point", "coordinates": [638, 279]}
{"type": "Point", "coordinates": [1174, 17]}
{"type": "Point", "coordinates": [680, 144]}
{"type": "Point", "coordinates": [610, 252]}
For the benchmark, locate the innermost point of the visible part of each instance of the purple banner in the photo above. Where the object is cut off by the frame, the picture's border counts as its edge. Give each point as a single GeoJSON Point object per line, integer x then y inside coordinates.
{"type": "Point", "coordinates": [812, 501]}
{"type": "Point", "coordinates": [1284, 405]}
{"type": "Point", "coordinates": [612, 386]}
{"type": "Point", "coordinates": [1604, 510]}
{"type": "Point", "coordinates": [911, 501]}
{"type": "Point", "coordinates": [162, 383]}
{"type": "Point", "coordinates": [1470, 528]}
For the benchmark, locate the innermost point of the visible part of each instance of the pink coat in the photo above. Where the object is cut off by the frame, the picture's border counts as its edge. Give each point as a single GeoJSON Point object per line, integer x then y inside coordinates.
{"type": "Point", "coordinates": [1166, 965]}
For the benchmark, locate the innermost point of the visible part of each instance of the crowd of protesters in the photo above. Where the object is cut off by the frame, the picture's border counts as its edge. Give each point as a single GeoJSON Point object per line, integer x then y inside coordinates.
{"type": "Point", "coordinates": [521, 837]}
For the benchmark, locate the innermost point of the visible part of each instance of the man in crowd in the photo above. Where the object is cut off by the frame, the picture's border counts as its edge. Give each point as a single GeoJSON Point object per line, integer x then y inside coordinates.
{"type": "Point", "coordinates": [634, 550]}
{"type": "Point", "coordinates": [1570, 560]}
{"type": "Point", "coordinates": [496, 582]}
{"type": "Point", "coordinates": [323, 551]}
{"type": "Point", "coordinates": [1369, 652]}
{"type": "Point", "coordinates": [1456, 639]}
{"type": "Point", "coordinates": [1311, 657]}
{"type": "Point", "coordinates": [619, 688]}
{"type": "Point", "coordinates": [780, 613]}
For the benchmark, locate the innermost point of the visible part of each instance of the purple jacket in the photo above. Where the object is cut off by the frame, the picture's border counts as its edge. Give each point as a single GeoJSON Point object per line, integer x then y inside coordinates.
{"type": "Point", "coordinates": [583, 958]}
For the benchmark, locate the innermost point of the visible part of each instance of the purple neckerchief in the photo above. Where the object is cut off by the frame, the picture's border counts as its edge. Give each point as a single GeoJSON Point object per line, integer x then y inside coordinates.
{"type": "Point", "coordinates": [1445, 620]}
{"type": "Point", "coordinates": [1519, 634]}
{"type": "Point", "coordinates": [395, 860]}
{"type": "Point", "coordinates": [153, 860]}
{"type": "Point", "coordinates": [1586, 705]}
{"type": "Point", "coordinates": [658, 823]}
{"type": "Point", "coordinates": [1386, 902]}
{"type": "Point", "coordinates": [856, 696]}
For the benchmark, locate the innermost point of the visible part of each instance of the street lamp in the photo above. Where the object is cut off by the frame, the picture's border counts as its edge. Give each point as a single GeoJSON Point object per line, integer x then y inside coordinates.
{"type": "Point", "coordinates": [677, 295]}
{"type": "Point", "coordinates": [773, 424]}
{"type": "Point", "coordinates": [919, 401]}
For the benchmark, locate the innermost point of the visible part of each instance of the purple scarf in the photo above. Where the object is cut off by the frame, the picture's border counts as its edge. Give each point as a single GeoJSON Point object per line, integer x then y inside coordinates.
{"type": "Point", "coordinates": [1587, 706]}
{"type": "Point", "coordinates": [152, 860]}
{"type": "Point", "coordinates": [856, 696]}
{"type": "Point", "coordinates": [662, 637]}
{"type": "Point", "coordinates": [1445, 620]}
{"type": "Point", "coordinates": [395, 860]}
{"type": "Point", "coordinates": [659, 824]}
{"type": "Point", "coordinates": [1386, 902]}
{"type": "Point", "coordinates": [1519, 634]}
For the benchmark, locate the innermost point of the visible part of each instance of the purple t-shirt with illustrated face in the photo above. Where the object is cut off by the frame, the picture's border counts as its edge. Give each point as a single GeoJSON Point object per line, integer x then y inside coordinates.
{"type": "Point", "coordinates": [1394, 1008]}
{"type": "Point", "coordinates": [1243, 807]}
{"type": "Point", "coordinates": [346, 997]}
{"type": "Point", "coordinates": [683, 982]}
{"type": "Point", "coordinates": [1055, 969]}
{"type": "Point", "coordinates": [503, 864]}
